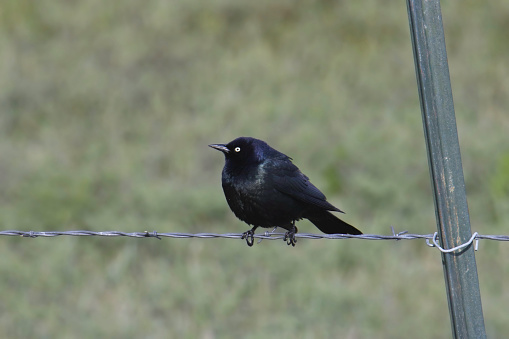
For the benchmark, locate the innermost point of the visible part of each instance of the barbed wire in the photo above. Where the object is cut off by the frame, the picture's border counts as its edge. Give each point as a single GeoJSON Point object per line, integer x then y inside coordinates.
{"type": "Point", "coordinates": [431, 239]}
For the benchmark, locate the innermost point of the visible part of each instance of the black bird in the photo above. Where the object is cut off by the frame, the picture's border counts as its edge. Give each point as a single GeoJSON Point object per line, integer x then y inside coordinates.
{"type": "Point", "coordinates": [264, 188]}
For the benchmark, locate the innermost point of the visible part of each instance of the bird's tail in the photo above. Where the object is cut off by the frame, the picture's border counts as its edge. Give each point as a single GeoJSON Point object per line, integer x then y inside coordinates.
{"type": "Point", "coordinates": [329, 224]}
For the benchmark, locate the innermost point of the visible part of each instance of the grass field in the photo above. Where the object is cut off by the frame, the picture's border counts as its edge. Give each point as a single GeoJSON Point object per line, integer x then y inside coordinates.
{"type": "Point", "coordinates": [106, 111]}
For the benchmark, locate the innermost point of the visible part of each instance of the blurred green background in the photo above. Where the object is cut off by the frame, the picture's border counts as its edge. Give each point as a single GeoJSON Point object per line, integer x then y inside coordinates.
{"type": "Point", "coordinates": [106, 111]}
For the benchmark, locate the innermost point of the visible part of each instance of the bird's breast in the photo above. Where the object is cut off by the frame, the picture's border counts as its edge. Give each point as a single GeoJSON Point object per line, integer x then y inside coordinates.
{"type": "Point", "coordinates": [253, 198]}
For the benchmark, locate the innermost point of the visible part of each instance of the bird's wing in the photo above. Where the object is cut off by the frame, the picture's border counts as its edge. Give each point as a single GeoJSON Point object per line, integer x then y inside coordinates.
{"type": "Point", "coordinates": [288, 179]}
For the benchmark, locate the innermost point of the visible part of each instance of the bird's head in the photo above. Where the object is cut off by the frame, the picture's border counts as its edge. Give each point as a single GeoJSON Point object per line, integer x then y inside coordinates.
{"type": "Point", "coordinates": [243, 150]}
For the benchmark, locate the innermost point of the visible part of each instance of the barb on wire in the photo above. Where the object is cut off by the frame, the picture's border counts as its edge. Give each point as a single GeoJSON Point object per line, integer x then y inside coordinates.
{"type": "Point", "coordinates": [431, 239]}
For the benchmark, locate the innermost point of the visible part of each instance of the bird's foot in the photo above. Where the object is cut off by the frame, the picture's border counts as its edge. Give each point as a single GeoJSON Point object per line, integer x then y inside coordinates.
{"type": "Point", "coordinates": [290, 236]}
{"type": "Point", "coordinates": [249, 236]}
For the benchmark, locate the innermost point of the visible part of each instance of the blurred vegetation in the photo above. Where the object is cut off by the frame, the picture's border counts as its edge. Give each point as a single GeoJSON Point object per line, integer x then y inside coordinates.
{"type": "Point", "coordinates": [106, 110]}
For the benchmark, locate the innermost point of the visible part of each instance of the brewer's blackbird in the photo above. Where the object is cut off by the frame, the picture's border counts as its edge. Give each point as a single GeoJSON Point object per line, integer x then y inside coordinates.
{"type": "Point", "coordinates": [264, 188]}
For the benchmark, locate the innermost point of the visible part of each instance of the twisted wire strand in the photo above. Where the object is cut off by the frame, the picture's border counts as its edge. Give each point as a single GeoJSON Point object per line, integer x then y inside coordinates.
{"type": "Point", "coordinates": [432, 239]}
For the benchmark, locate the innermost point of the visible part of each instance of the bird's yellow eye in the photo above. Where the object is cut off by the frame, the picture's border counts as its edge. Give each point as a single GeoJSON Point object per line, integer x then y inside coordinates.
{"type": "Point", "coordinates": [237, 149]}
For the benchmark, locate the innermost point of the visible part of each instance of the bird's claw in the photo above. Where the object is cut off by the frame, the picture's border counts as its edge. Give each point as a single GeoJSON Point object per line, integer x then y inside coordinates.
{"type": "Point", "coordinates": [249, 236]}
{"type": "Point", "coordinates": [290, 238]}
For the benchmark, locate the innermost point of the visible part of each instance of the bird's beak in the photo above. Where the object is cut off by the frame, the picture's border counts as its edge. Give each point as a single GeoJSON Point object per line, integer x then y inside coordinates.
{"type": "Point", "coordinates": [220, 147]}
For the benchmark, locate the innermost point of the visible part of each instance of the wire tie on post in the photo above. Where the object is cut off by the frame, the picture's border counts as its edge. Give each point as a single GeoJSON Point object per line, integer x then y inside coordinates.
{"type": "Point", "coordinates": [469, 242]}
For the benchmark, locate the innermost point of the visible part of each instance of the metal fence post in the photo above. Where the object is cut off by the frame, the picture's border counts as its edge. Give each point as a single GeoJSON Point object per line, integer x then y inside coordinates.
{"type": "Point", "coordinates": [453, 222]}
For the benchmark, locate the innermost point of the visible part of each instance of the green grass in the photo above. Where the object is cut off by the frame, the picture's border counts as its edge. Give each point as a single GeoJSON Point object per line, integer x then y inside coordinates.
{"type": "Point", "coordinates": [106, 111]}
